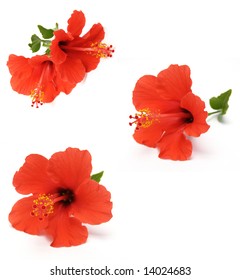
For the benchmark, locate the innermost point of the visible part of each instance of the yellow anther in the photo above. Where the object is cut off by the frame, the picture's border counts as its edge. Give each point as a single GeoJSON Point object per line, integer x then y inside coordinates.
{"type": "Point", "coordinates": [37, 96]}
{"type": "Point", "coordinates": [146, 117]}
{"type": "Point", "coordinates": [101, 50]}
{"type": "Point", "coordinates": [42, 206]}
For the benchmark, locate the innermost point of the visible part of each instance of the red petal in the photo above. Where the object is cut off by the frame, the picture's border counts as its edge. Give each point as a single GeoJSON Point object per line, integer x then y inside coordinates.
{"type": "Point", "coordinates": [66, 231]}
{"type": "Point", "coordinates": [32, 176]}
{"type": "Point", "coordinates": [89, 61]}
{"type": "Point", "coordinates": [175, 146]}
{"type": "Point", "coordinates": [76, 23]}
{"type": "Point", "coordinates": [27, 73]}
{"type": "Point", "coordinates": [92, 203]}
{"type": "Point", "coordinates": [21, 219]}
{"type": "Point", "coordinates": [149, 136]}
{"type": "Point", "coordinates": [196, 107]}
{"type": "Point", "coordinates": [64, 86]}
{"type": "Point", "coordinates": [39, 59]}
{"type": "Point", "coordinates": [44, 69]}
{"type": "Point", "coordinates": [70, 168]}
{"type": "Point", "coordinates": [57, 55]}
{"type": "Point", "coordinates": [18, 65]}
{"type": "Point", "coordinates": [146, 93]}
{"type": "Point", "coordinates": [94, 35]}
{"type": "Point", "coordinates": [175, 82]}
{"type": "Point", "coordinates": [21, 71]}
{"type": "Point", "coordinates": [71, 70]}
{"type": "Point", "coordinates": [51, 91]}
{"type": "Point", "coordinates": [53, 83]}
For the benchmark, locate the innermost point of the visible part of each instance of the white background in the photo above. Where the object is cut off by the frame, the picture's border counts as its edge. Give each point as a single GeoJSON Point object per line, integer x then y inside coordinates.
{"type": "Point", "coordinates": [165, 213]}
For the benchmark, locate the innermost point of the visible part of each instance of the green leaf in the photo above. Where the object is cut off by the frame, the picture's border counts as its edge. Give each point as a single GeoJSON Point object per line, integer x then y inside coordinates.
{"type": "Point", "coordinates": [221, 102]}
{"type": "Point", "coordinates": [47, 52]}
{"type": "Point", "coordinates": [36, 43]}
{"type": "Point", "coordinates": [46, 33]}
{"type": "Point", "coordinates": [97, 177]}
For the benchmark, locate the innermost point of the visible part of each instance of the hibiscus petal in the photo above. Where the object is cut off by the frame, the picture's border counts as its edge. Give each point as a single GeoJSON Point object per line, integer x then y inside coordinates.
{"type": "Point", "coordinates": [89, 61]}
{"type": "Point", "coordinates": [21, 72]}
{"type": "Point", "coordinates": [76, 23]}
{"type": "Point", "coordinates": [149, 136]}
{"type": "Point", "coordinates": [175, 146]}
{"type": "Point", "coordinates": [44, 67]}
{"type": "Point", "coordinates": [57, 55]}
{"type": "Point", "coordinates": [51, 91]}
{"type": "Point", "coordinates": [32, 176]}
{"type": "Point", "coordinates": [94, 35]}
{"type": "Point", "coordinates": [39, 60]}
{"type": "Point", "coordinates": [92, 203]}
{"type": "Point", "coordinates": [71, 70]}
{"type": "Point", "coordinates": [53, 83]}
{"type": "Point", "coordinates": [21, 219]}
{"type": "Point", "coordinates": [70, 168]}
{"type": "Point", "coordinates": [175, 82]}
{"type": "Point", "coordinates": [64, 86]}
{"type": "Point", "coordinates": [196, 107]}
{"type": "Point", "coordinates": [146, 94]}
{"type": "Point", "coordinates": [66, 231]}
{"type": "Point", "coordinates": [18, 65]}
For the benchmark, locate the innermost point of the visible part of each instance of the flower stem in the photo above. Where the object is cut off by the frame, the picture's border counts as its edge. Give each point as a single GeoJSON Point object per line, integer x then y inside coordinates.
{"type": "Point", "coordinates": [215, 112]}
{"type": "Point", "coordinates": [46, 43]}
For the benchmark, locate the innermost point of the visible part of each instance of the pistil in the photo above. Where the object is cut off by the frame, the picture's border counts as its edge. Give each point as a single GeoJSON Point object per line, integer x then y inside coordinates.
{"type": "Point", "coordinates": [37, 94]}
{"type": "Point", "coordinates": [145, 117]}
{"type": "Point", "coordinates": [98, 49]}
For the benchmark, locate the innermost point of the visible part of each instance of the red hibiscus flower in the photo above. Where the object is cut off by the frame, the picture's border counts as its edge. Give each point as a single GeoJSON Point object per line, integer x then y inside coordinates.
{"type": "Point", "coordinates": [63, 197]}
{"type": "Point", "coordinates": [37, 77]}
{"type": "Point", "coordinates": [168, 112]}
{"type": "Point", "coordinates": [77, 55]}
